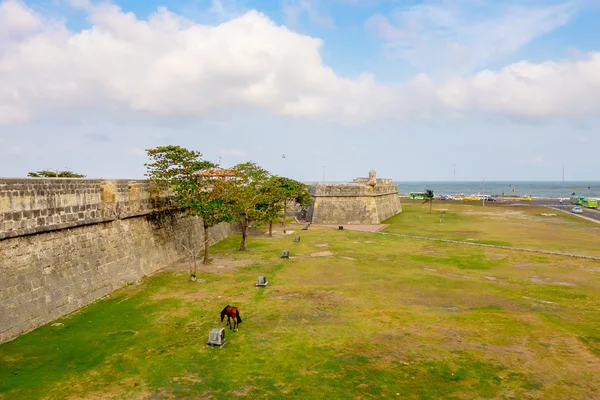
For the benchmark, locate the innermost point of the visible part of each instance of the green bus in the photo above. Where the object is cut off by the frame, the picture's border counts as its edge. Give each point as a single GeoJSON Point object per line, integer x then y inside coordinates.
{"type": "Point", "coordinates": [577, 201]}
{"type": "Point", "coordinates": [589, 202]}
{"type": "Point", "coordinates": [417, 195]}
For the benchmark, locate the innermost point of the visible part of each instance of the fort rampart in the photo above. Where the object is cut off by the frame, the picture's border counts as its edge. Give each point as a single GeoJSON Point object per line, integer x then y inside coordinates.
{"type": "Point", "coordinates": [363, 201]}
{"type": "Point", "coordinates": [67, 242]}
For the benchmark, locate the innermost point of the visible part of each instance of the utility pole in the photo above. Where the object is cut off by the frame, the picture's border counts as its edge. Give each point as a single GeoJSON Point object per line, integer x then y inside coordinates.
{"type": "Point", "coordinates": [562, 194]}
{"type": "Point", "coordinates": [483, 192]}
{"type": "Point", "coordinates": [454, 184]}
{"type": "Point", "coordinates": [323, 174]}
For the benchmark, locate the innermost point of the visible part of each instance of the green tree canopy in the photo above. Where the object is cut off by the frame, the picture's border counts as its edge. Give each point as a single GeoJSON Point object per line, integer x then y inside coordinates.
{"type": "Point", "coordinates": [428, 196]}
{"type": "Point", "coordinates": [194, 185]}
{"type": "Point", "coordinates": [54, 174]}
{"type": "Point", "coordinates": [249, 197]}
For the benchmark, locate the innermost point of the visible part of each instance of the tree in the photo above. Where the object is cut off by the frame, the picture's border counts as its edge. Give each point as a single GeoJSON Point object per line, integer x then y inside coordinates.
{"type": "Point", "coordinates": [292, 190]}
{"type": "Point", "coordinates": [54, 174]}
{"type": "Point", "coordinates": [195, 188]}
{"type": "Point", "coordinates": [428, 196]}
{"type": "Point", "coordinates": [248, 197]}
{"type": "Point", "coordinates": [271, 201]}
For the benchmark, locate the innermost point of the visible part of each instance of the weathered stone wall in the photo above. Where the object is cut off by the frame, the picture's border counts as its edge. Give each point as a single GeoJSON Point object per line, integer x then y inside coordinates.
{"type": "Point", "coordinates": [354, 203]}
{"type": "Point", "coordinates": [67, 242]}
{"type": "Point", "coordinates": [29, 206]}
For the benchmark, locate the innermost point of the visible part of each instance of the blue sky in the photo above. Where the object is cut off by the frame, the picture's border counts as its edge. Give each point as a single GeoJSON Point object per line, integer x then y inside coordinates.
{"type": "Point", "coordinates": [505, 90]}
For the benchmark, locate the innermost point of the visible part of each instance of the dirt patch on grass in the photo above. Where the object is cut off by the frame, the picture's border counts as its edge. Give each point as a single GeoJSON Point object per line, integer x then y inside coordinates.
{"type": "Point", "coordinates": [528, 265]}
{"type": "Point", "coordinates": [548, 281]}
{"type": "Point", "coordinates": [458, 276]}
{"type": "Point", "coordinates": [115, 392]}
{"type": "Point", "coordinates": [322, 254]}
{"type": "Point", "coordinates": [322, 245]}
{"type": "Point", "coordinates": [348, 258]}
{"type": "Point", "coordinates": [217, 265]}
{"type": "Point", "coordinates": [493, 278]}
{"type": "Point", "coordinates": [496, 256]}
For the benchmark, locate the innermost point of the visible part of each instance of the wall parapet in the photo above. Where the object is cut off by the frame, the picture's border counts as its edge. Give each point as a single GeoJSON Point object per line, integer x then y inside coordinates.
{"type": "Point", "coordinates": [36, 205]}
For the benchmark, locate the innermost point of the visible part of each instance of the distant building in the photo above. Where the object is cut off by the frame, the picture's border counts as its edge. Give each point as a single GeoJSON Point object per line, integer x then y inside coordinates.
{"type": "Point", "coordinates": [224, 174]}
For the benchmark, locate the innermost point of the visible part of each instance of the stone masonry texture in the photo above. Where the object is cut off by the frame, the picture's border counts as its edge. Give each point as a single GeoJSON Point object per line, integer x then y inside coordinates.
{"type": "Point", "coordinates": [67, 242]}
{"type": "Point", "coordinates": [354, 203]}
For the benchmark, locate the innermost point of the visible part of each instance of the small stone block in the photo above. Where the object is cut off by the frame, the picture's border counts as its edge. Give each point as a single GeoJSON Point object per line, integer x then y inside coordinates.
{"type": "Point", "coordinates": [216, 337]}
{"type": "Point", "coordinates": [305, 228]}
{"type": "Point", "coordinates": [262, 281]}
{"type": "Point", "coordinates": [341, 228]}
{"type": "Point", "coordinates": [297, 239]}
{"type": "Point", "coordinates": [285, 254]}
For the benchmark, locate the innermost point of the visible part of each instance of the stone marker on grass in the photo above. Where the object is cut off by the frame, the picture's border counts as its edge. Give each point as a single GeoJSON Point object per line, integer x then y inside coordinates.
{"type": "Point", "coordinates": [262, 281]}
{"type": "Point", "coordinates": [285, 254]}
{"type": "Point", "coordinates": [216, 337]}
{"type": "Point", "coordinates": [297, 239]}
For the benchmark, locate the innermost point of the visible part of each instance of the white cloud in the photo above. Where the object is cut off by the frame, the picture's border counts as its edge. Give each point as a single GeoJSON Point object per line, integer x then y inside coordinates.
{"type": "Point", "coordinates": [382, 27]}
{"type": "Point", "coordinates": [530, 90]}
{"type": "Point", "coordinates": [172, 67]}
{"type": "Point", "coordinates": [465, 36]}
{"type": "Point", "coordinates": [16, 20]}
{"type": "Point", "coordinates": [231, 153]}
{"type": "Point", "coordinates": [294, 9]}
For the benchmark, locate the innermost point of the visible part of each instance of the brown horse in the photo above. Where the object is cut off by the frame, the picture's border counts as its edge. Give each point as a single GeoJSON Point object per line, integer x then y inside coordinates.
{"type": "Point", "coordinates": [231, 312]}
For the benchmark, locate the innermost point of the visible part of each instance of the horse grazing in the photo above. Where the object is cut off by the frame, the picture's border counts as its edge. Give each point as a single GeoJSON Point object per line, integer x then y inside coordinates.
{"type": "Point", "coordinates": [231, 312]}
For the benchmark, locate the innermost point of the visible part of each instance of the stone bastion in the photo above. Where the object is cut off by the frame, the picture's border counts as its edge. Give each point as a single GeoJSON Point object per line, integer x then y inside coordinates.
{"type": "Point", "coordinates": [363, 201]}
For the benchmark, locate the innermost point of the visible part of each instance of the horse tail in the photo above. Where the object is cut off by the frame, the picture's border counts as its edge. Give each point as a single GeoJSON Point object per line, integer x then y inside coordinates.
{"type": "Point", "coordinates": [237, 315]}
{"type": "Point", "coordinates": [222, 312]}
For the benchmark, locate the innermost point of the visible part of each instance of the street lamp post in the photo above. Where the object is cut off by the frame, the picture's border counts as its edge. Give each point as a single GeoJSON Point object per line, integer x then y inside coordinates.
{"type": "Point", "coordinates": [483, 190]}
{"type": "Point", "coordinates": [562, 194]}
{"type": "Point", "coordinates": [454, 182]}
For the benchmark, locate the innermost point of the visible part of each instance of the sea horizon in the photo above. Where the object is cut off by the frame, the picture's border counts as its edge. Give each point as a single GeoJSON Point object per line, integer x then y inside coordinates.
{"type": "Point", "coordinates": [540, 189]}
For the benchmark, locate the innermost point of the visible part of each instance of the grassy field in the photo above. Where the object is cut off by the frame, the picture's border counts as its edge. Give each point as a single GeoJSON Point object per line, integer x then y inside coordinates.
{"type": "Point", "coordinates": [500, 224]}
{"type": "Point", "coordinates": [351, 315]}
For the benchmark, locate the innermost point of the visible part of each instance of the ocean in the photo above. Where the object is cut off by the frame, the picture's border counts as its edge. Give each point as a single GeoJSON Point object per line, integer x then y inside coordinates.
{"type": "Point", "coordinates": [547, 189]}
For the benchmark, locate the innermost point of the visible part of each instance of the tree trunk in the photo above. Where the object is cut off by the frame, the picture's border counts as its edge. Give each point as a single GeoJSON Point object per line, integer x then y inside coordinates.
{"type": "Point", "coordinates": [430, 205]}
{"type": "Point", "coordinates": [205, 245]}
{"type": "Point", "coordinates": [193, 275]}
{"type": "Point", "coordinates": [271, 228]}
{"type": "Point", "coordinates": [284, 210]}
{"type": "Point", "coordinates": [244, 235]}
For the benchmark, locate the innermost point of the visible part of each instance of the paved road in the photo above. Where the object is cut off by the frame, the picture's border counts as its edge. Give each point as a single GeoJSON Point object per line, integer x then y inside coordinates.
{"type": "Point", "coordinates": [587, 212]}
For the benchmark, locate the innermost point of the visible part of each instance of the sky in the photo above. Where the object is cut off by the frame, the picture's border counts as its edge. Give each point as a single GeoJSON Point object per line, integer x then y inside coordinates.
{"type": "Point", "coordinates": [500, 90]}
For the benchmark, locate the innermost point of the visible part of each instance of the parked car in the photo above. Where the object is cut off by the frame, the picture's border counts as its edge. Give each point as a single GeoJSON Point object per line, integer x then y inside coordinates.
{"type": "Point", "coordinates": [445, 197]}
{"type": "Point", "coordinates": [490, 199]}
{"type": "Point", "coordinates": [577, 210]}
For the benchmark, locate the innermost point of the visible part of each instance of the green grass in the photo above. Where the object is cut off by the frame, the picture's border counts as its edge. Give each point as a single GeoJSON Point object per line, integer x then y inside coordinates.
{"type": "Point", "coordinates": [379, 316]}
{"type": "Point", "coordinates": [499, 224]}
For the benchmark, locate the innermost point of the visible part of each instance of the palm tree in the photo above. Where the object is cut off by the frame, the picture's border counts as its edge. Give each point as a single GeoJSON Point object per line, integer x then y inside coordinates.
{"type": "Point", "coordinates": [428, 196]}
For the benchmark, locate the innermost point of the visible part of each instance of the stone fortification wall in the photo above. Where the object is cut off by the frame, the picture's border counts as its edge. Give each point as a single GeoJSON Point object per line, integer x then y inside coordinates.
{"type": "Point", "coordinates": [354, 203]}
{"type": "Point", "coordinates": [30, 206]}
{"type": "Point", "coordinates": [67, 242]}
